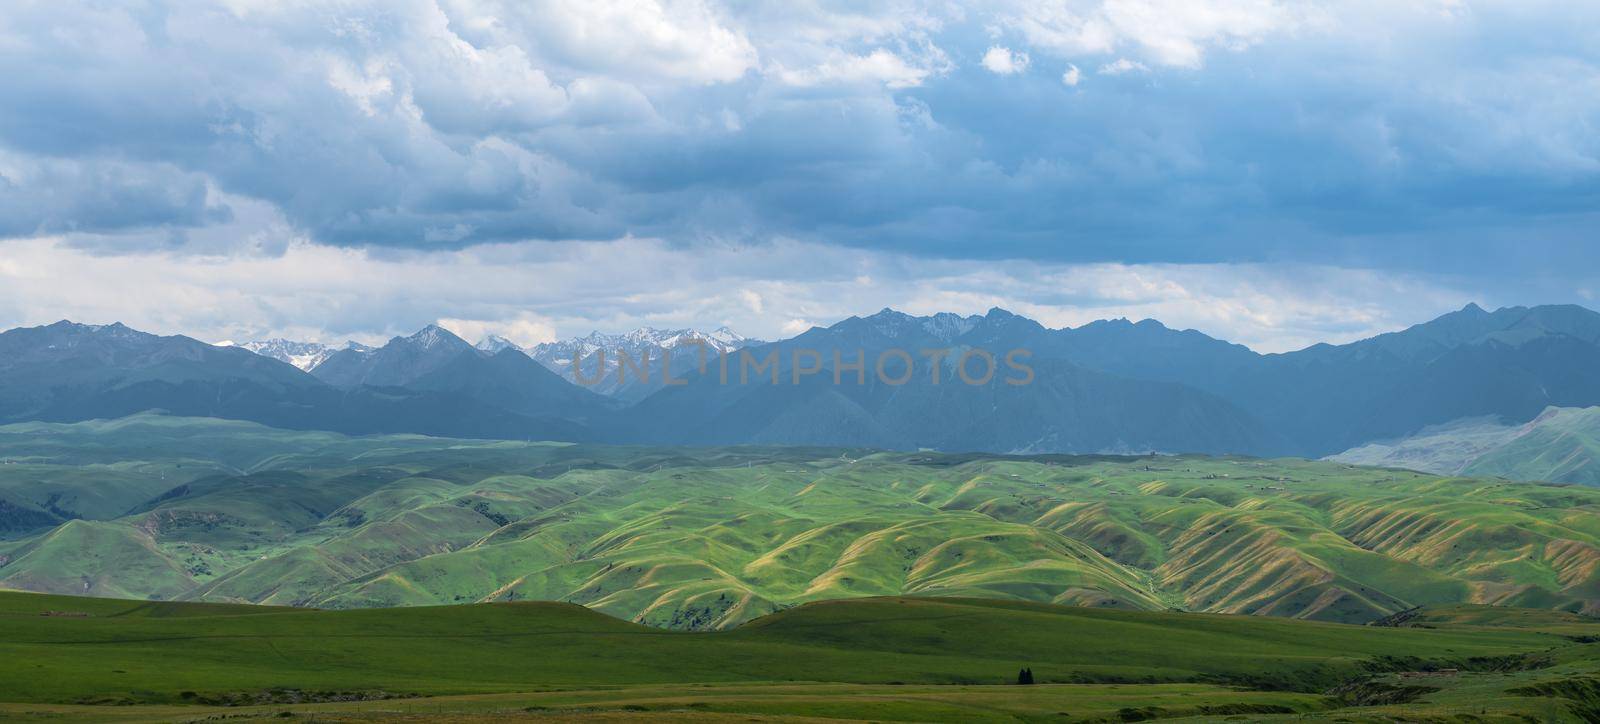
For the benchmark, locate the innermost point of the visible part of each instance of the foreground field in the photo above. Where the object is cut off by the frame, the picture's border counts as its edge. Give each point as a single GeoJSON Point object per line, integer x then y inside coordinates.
{"type": "Point", "coordinates": [881, 659]}
{"type": "Point", "coordinates": [193, 509]}
{"type": "Point", "coordinates": [783, 702]}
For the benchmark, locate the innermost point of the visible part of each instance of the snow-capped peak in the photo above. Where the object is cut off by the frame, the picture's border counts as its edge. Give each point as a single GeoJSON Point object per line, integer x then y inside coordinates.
{"type": "Point", "coordinates": [635, 345]}
{"type": "Point", "coordinates": [494, 343]}
{"type": "Point", "coordinates": [434, 336]}
{"type": "Point", "coordinates": [947, 326]}
{"type": "Point", "coordinates": [726, 336]}
{"type": "Point", "coordinates": [304, 355]}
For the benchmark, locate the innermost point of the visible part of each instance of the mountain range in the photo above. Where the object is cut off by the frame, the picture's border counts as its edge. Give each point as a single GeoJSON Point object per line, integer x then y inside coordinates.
{"type": "Point", "coordinates": [1108, 386]}
{"type": "Point", "coordinates": [66, 372]}
{"type": "Point", "coordinates": [303, 355]}
{"type": "Point", "coordinates": [600, 355]}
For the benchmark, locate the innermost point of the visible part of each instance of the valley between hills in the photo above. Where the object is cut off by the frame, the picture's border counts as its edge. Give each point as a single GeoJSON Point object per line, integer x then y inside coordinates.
{"type": "Point", "coordinates": [169, 508]}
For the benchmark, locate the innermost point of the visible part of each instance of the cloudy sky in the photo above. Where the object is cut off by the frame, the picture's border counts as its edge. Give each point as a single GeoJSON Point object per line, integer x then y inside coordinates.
{"type": "Point", "coordinates": [1276, 173]}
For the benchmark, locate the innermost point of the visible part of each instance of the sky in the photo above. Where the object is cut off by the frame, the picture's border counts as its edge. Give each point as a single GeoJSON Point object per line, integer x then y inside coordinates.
{"type": "Point", "coordinates": [1273, 173]}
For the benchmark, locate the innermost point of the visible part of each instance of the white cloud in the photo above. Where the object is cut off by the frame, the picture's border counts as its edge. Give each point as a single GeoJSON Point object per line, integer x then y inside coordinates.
{"type": "Point", "coordinates": [663, 40]}
{"type": "Point", "coordinates": [795, 326]}
{"type": "Point", "coordinates": [878, 66]}
{"type": "Point", "coordinates": [752, 300]}
{"type": "Point", "coordinates": [524, 328]}
{"type": "Point", "coordinates": [1002, 61]}
{"type": "Point", "coordinates": [251, 129]}
{"type": "Point", "coordinates": [1176, 33]}
{"type": "Point", "coordinates": [1122, 65]}
{"type": "Point", "coordinates": [1164, 32]}
{"type": "Point", "coordinates": [532, 292]}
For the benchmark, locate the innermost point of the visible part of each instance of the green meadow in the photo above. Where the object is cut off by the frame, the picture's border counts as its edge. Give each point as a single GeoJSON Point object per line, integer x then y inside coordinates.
{"type": "Point", "coordinates": [186, 569]}
{"type": "Point", "coordinates": [903, 659]}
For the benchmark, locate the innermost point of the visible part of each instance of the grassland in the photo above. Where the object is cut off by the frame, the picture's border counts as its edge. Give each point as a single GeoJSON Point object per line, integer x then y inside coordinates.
{"type": "Point", "coordinates": [882, 658]}
{"type": "Point", "coordinates": [172, 508]}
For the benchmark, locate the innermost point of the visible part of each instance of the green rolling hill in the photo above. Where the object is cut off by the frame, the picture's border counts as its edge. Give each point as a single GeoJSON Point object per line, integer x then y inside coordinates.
{"type": "Point", "coordinates": [710, 538]}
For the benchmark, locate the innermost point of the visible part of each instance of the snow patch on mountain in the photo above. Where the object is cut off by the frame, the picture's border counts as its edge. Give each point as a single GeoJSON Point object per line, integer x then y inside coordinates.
{"type": "Point", "coordinates": [434, 337]}
{"type": "Point", "coordinates": [636, 345]}
{"type": "Point", "coordinates": [304, 355]}
{"type": "Point", "coordinates": [494, 344]}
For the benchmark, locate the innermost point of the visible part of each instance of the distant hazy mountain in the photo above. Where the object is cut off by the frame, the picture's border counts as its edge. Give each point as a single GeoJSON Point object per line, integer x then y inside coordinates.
{"type": "Point", "coordinates": [1510, 364]}
{"type": "Point", "coordinates": [303, 355]}
{"type": "Point", "coordinates": [513, 380]}
{"type": "Point", "coordinates": [1106, 386]}
{"type": "Point", "coordinates": [1064, 408]}
{"type": "Point", "coordinates": [638, 345]}
{"type": "Point", "coordinates": [67, 372]}
{"type": "Point", "coordinates": [1560, 445]}
{"type": "Point", "coordinates": [435, 360]}
{"type": "Point", "coordinates": [402, 360]}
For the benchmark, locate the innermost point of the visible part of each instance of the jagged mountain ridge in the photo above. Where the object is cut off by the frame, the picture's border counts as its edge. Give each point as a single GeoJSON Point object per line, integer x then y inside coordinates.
{"type": "Point", "coordinates": [1063, 407]}
{"type": "Point", "coordinates": [436, 360]}
{"type": "Point", "coordinates": [67, 372]}
{"type": "Point", "coordinates": [303, 355]}
{"type": "Point", "coordinates": [638, 345]}
{"type": "Point", "coordinates": [1112, 385]}
{"type": "Point", "coordinates": [1511, 363]}
{"type": "Point", "coordinates": [401, 360]}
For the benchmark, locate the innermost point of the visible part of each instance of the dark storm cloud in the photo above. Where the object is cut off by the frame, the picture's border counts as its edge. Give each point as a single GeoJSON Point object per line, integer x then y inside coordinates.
{"type": "Point", "coordinates": [1224, 132]}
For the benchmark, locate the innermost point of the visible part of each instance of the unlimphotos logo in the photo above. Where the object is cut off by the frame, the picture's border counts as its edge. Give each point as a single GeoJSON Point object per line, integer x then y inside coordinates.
{"type": "Point", "coordinates": [894, 366]}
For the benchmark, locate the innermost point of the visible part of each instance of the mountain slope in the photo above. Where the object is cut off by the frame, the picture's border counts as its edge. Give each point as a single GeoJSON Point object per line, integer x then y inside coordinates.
{"type": "Point", "coordinates": [436, 361]}
{"type": "Point", "coordinates": [1063, 408]}
{"type": "Point", "coordinates": [512, 380]}
{"type": "Point", "coordinates": [401, 361]}
{"type": "Point", "coordinates": [1560, 445]}
{"type": "Point", "coordinates": [1123, 386]}
{"type": "Point", "coordinates": [303, 355]}
{"type": "Point", "coordinates": [68, 372]}
{"type": "Point", "coordinates": [1440, 449]}
{"type": "Point", "coordinates": [1511, 363]}
{"type": "Point", "coordinates": [601, 355]}
{"type": "Point", "coordinates": [1113, 386]}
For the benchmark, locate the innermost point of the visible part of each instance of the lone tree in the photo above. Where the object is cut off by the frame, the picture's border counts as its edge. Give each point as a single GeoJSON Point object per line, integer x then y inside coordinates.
{"type": "Point", "coordinates": [1025, 676]}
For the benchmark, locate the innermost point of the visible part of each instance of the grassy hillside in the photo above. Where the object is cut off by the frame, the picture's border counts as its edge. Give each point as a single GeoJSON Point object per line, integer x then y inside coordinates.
{"type": "Point", "coordinates": [712, 537]}
{"type": "Point", "coordinates": [1563, 445]}
{"type": "Point", "coordinates": [1560, 445]}
{"type": "Point", "coordinates": [881, 658]}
